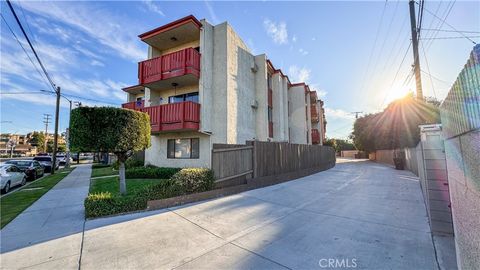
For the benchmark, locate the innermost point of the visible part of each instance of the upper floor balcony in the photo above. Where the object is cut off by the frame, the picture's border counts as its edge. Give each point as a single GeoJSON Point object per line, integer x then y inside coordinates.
{"type": "Point", "coordinates": [181, 116]}
{"type": "Point", "coordinates": [134, 105]}
{"type": "Point", "coordinates": [315, 136]}
{"type": "Point", "coordinates": [314, 113]}
{"type": "Point", "coordinates": [180, 67]}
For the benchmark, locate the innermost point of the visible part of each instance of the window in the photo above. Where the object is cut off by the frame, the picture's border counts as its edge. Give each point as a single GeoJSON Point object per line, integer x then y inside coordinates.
{"type": "Point", "coordinates": [183, 148]}
{"type": "Point", "coordinates": [269, 81]}
{"type": "Point", "coordinates": [270, 116]}
{"type": "Point", "coordinates": [184, 97]}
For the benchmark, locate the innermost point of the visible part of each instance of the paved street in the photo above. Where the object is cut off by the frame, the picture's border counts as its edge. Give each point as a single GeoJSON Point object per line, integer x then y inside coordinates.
{"type": "Point", "coordinates": [48, 234]}
{"type": "Point", "coordinates": [359, 211]}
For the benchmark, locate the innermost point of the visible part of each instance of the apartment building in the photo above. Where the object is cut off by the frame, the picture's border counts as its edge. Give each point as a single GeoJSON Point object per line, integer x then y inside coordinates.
{"type": "Point", "coordinates": [201, 85]}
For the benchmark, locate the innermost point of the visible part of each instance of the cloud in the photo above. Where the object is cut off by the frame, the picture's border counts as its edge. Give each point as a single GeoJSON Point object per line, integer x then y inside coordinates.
{"type": "Point", "coordinates": [337, 114]}
{"type": "Point", "coordinates": [110, 30]}
{"type": "Point", "coordinates": [277, 31]}
{"type": "Point", "coordinates": [211, 12]}
{"type": "Point", "coordinates": [294, 38]}
{"type": "Point", "coordinates": [153, 7]}
{"type": "Point", "coordinates": [97, 63]}
{"type": "Point", "coordinates": [297, 74]}
{"type": "Point", "coordinates": [302, 51]}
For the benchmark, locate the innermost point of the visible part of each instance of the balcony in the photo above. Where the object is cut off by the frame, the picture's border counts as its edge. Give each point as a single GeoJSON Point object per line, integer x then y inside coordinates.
{"type": "Point", "coordinates": [315, 136]}
{"type": "Point", "coordinates": [270, 98]}
{"type": "Point", "coordinates": [181, 67]}
{"type": "Point", "coordinates": [314, 113]}
{"type": "Point", "coordinates": [135, 105]}
{"type": "Point", "coordinates": [180, 116]}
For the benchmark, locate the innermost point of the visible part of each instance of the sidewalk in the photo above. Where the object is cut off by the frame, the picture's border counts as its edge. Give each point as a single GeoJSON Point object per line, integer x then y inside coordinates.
{"type": "Point", "coordinates": [48, 234]}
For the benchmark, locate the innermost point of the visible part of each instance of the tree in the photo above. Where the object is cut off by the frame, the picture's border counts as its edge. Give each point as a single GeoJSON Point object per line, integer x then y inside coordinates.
{"type": "Point", "coordinates": [110, 130]}
{"type": "Point", "coordinates": [339, 144]}
{"type": "Point", "coordinates": [396, 127]}
{"type": "Point", "coordinates": [38, 140]}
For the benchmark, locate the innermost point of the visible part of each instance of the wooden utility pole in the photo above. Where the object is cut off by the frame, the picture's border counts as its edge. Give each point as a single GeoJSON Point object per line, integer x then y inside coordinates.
{"type": "Point", "coordinates": [416, 63]}
{"type": "Point", "coordinates": [46, 120]}
{"type": "Point", "coordinates": [55, 138]}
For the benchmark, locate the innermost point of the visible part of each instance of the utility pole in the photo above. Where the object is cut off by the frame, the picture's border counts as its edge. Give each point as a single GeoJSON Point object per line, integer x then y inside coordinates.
{"type": "Point", "coordinates": [46, 120]}
{"type": "Point", "coordinates": [356, 114]}
{"type": "Point", "coordinates": [416, 63]}
{"type": "Point", "coordinates": [55, 138]}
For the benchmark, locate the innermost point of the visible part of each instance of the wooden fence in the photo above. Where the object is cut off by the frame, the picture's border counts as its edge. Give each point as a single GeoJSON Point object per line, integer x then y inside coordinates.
{"type": "Point", "coordinates": [259, 159]}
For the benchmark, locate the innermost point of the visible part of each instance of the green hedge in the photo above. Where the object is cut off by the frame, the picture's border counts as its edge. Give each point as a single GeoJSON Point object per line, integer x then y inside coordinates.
{"type": "Point", "coordinates": [194, 179]}
{"type": "Point", "coordinates": [151, 172]}
{"type": "Point", "coordinates": [104, 204]}
{"type": "Point", "coordinates": [184, 181]}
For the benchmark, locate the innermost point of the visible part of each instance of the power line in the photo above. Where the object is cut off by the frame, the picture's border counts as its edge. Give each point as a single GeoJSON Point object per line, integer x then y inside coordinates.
{"type": "Point", "coordinates": [428, 68]}
{"type": "Point", "coordinates": [436, 78]}
{"type": "Point", "coordinates": [441, 30]}
{"type": "Point", "coordinates": [374, 46]}
{"type": "Point", "coordinates": [31, 46]}
{"type": "Point", "coordinates": [452, 38]}
{"type": "Point", "coordinates": [449, 25]}
{"type": "Point", "coordinates": [22, 93]}
{"type": "Point", "coordinates": [24, 50]}
{"type": "Point", "coordinates": [396, 74]}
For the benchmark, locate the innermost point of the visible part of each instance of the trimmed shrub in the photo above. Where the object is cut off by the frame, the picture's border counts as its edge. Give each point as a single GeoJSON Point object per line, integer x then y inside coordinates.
{"type": "Point", "coordinates": [162, 190]}
{"type": "Point", "coordinates": [151, 172]}
{"type": "Point", "coordinates": [104, 204]}
{"type": "Point", "coordinates": [183, 181]}
{"type": "Point", "coordinates": [194, 179]}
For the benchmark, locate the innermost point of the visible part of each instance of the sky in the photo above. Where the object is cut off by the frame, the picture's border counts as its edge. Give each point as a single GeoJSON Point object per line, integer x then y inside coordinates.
{"type": "Point", "coordinates": [350, 52]}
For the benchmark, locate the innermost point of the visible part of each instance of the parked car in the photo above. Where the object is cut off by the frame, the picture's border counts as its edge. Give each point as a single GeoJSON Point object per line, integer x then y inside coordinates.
{"type": "Point", "coordinates": [10, 176]}
{"type": "Point", "coordinates": [32, 168]}
{"type": "Point", "coordinates": [46, 162]}
{"type": "Point", "coordinates": [62, 159]}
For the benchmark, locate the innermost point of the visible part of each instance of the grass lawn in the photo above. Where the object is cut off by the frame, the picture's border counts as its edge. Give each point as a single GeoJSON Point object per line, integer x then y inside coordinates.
{"type": "Point", "coordinates": [12, 205]}
{"type": "Point", "coordinates": [103, 170]}
{"type": "Point", "coordinates": [111, 184]}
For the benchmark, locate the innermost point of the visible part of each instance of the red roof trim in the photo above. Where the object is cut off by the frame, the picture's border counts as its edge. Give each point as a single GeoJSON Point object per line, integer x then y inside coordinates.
{"type": "Point", "coordinates": [128, 88]}
{"type": "Point", "coordinates": [168, 26]}
{"type": "Point", "coordinates": [278, 71]}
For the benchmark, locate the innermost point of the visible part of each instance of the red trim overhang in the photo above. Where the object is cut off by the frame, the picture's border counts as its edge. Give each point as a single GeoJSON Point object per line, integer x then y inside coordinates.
{"type": "Point", "coordinates": [169, 26]}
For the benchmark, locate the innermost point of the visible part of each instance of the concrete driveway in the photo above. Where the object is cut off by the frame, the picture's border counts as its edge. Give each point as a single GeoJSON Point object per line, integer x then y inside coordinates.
{"type": "Point", "coordinates": [359, 214]}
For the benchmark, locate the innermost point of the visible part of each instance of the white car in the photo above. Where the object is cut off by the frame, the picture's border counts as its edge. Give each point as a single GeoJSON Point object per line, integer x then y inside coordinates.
{"type": "Point", "coordinates": [10, 176]}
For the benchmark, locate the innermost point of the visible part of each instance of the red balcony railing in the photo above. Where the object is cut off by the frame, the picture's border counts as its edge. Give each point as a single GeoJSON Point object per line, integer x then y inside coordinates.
{"type": "Point", "coordinates": [270, 97]}
{"type": "Point", "coordinates": [270, 129]}
{"type": "Point", "coordinates": [174, 116]}
{"type": "Point", "coordinates": [170, 65]}
{"type": "Point", "coordinates": [315, 136]}
{"type": "Point", "coordinates": [314, 113]}
{"type": "Point", "coordinates": [135, 105]}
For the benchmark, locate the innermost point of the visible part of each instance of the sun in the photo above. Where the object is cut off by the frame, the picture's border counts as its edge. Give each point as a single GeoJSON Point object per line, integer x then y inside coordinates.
{"type": "Point", "coordinates": [397, 93]}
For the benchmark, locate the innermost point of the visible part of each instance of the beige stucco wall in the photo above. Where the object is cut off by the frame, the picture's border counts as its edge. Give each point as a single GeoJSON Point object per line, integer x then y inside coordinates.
{"type": "Point", "coordinates": [297, 118]}
{"type": "Point", "coordinates": [261, 97]}
{"type": "Point", "coordinates": [206, 91]}
{"type": "Point", "coordinates": [280, 107]}
{"type": "Point", "coordinates": [240, 90]}
{"type": "Point", "coordinates": [157, 153]}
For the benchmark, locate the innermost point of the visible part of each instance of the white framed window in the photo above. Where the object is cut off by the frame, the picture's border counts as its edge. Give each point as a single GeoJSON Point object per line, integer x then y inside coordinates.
{"type": "Point", "coordinates": [188, 148]}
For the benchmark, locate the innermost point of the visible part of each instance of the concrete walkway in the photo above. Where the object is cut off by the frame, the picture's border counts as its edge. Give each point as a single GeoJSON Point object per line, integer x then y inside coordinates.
{"type": "Point", "coordinates": [359, 214]}
{"type": "Point", "coordinates": [48, 234]}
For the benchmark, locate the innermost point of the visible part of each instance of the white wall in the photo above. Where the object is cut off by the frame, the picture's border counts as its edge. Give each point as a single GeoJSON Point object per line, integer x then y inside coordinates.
{"type": "Point", "coordinates": [297, 120]}
{"type": "Point", "coordinates": [157, 153]}
{"type": "Point", "coordinates": [261, 96]}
